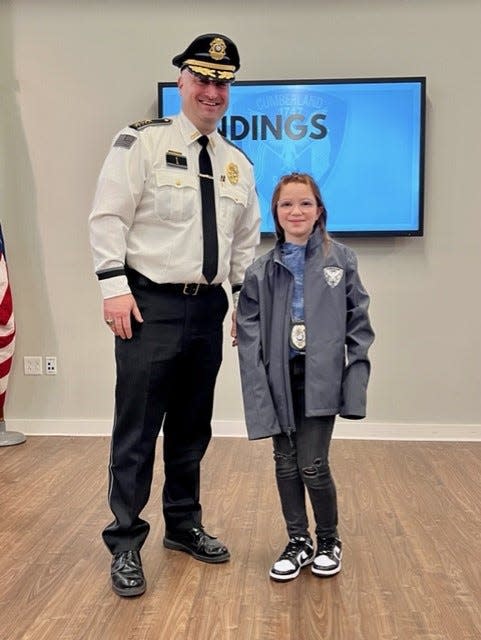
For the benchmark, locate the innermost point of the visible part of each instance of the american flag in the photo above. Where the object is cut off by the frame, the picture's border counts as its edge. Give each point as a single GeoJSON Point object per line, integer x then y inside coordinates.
{"type": "Point", "coordinates": [7, 325]}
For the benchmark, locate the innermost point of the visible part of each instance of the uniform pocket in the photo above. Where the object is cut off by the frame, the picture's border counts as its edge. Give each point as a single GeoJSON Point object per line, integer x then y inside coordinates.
{"type": "Point", "coordinates": [233, 201]}
{"type": "Point", "coordinates": [175, 195]}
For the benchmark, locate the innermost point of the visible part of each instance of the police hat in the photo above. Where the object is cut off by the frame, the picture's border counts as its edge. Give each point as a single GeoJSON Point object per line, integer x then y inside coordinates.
{"type": "Point", "coordinates": [211, 56]}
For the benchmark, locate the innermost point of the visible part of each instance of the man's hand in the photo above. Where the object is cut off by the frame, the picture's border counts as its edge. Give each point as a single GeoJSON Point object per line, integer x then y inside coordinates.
{"type": "Point", "coordinates": [117, 313]}
{"type": "Point", "coordinates": [233, 331]}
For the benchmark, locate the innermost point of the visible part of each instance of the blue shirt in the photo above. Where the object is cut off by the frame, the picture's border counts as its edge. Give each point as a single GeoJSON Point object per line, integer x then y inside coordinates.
{"type": "Point", "coordinates": [294, 258]}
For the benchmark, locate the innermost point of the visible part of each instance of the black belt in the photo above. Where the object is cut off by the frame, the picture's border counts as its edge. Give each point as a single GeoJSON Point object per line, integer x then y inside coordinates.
{"type": "Point", "coordinates": [187, 289]}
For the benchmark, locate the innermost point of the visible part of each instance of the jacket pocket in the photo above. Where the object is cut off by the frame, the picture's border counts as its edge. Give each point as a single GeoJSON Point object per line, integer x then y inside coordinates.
{"type": "Point", "coordinates": [175, 195]}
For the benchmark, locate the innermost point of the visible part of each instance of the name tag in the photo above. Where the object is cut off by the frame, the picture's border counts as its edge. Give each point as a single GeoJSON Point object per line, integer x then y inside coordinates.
{"type": "Point", "coordinates": [175, 159]}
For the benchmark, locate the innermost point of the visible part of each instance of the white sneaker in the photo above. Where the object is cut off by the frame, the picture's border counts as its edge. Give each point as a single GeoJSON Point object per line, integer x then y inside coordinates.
{"type": "Point", "coordinates": [298, 553]}
{"type": "Point", "coordinates": [328, 557]}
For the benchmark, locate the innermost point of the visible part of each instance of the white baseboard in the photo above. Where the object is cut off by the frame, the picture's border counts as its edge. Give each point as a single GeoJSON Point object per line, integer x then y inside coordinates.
{"type": "Point", "coordinates": [345, 429]}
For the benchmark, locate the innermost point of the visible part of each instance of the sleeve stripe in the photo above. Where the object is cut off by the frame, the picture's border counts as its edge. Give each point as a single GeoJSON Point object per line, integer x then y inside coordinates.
{"type": "Point", "coordinates": [110, 273]}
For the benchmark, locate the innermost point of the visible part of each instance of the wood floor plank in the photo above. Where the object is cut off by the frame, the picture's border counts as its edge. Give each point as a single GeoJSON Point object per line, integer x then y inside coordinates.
{"type": "Point", "coordinates": [409, 519]}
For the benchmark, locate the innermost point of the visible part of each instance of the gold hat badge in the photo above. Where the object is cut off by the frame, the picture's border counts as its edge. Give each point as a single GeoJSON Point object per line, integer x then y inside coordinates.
{"type": "Point", "coordinates": [217, 49]}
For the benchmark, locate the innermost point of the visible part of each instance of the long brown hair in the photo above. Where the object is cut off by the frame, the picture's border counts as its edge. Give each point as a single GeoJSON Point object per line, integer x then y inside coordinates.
{"type": "Point", "coordinates": [308, 180]}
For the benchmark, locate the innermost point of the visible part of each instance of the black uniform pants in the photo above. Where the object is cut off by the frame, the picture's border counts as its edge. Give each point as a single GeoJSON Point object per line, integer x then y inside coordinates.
{"type": "Point", "coordinates": [165, 378]}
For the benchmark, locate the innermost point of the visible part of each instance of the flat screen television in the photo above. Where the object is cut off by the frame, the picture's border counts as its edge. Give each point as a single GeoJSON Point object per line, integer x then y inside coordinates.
{"type": "Point", "coordinates": [361, 139]}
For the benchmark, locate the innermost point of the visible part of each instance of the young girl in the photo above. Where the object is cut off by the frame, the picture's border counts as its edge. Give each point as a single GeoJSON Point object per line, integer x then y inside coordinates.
{"type": "Point", "coordinates": [303, 333]}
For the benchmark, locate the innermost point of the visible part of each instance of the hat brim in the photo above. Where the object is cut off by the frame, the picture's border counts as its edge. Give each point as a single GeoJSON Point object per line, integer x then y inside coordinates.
{"type": "Point", "coordinates": [218, 74]}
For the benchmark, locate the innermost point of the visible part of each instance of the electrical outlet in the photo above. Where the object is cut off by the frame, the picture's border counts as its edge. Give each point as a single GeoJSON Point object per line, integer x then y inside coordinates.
{"type": "Point", "coordinates": [32, 365]}
{"type": "Point", "coordinates": [51, 365]}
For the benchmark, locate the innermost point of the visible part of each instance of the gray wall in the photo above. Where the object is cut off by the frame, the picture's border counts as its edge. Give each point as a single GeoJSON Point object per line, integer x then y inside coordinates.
{"type": "Point", "coordinates": [73, 73]}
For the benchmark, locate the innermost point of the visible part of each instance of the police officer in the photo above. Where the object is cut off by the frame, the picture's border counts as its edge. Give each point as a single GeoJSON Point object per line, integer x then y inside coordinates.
{"type": "Point", "coordinates": [175, 215]}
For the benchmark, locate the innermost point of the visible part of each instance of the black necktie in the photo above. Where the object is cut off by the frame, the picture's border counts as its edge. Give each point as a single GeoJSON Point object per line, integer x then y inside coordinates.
{"type": "Point", "coordinates": [209, 226]}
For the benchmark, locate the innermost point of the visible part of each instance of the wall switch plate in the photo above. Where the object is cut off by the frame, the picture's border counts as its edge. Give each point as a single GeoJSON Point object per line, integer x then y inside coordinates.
{"type": "Point", "coordinates": [32, 365]}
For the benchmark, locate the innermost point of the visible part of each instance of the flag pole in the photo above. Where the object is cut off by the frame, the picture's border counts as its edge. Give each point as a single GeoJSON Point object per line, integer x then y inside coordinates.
{"type": "Point", "coordinates": [8, 438]}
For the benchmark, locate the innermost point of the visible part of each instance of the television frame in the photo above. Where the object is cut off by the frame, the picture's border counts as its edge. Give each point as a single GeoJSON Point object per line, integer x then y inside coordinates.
{"type": "Point", "coordinates": [304, 84]}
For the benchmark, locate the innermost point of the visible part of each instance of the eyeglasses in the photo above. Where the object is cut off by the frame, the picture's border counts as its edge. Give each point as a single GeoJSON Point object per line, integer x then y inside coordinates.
{"type": "Point", "coordinates": [306, 205]}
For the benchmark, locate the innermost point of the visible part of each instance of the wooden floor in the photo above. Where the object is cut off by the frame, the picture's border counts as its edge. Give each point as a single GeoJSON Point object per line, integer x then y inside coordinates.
{"type": "Point", "coordinates": [410, 522]}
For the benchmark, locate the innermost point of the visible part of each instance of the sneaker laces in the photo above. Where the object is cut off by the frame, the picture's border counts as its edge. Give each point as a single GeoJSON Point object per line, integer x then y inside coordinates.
{"type": "Point", "coordinates": [293, 547]}
{"type": "Point", "coordinates": [326, 545]}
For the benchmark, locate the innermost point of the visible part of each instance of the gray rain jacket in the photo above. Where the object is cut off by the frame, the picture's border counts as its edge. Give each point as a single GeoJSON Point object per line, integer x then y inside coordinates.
{"type": "Point", "coordinates": [339, 335]}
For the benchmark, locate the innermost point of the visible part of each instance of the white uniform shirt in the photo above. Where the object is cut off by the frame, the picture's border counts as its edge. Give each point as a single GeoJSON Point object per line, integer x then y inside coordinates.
{"type": "Point", "coordinates": [147, 209]}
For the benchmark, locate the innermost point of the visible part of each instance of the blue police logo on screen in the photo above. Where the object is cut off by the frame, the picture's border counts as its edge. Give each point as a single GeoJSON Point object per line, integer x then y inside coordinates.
{"type": "Point", "coordinates": [285, 129]}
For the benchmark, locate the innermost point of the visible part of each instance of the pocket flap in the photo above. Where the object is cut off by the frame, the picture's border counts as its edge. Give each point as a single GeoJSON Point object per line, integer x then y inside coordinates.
{"type": "Point", "coordinates": [238, 195]}
{"type": "Point", "coordinates": [174, 178]}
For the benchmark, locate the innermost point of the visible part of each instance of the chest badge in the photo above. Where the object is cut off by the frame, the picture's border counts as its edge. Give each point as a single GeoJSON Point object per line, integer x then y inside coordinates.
{"type": "Point", "coordinates": [232, 172]}
{"type": "Point", "coordinates": [333, 275]}
{"type": "Point", "coordinates": [298, 336]}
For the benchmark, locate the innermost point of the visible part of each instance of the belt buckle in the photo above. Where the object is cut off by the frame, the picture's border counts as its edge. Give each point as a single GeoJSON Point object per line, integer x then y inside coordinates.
{"type": "Point", "coordinates": [191, 289]}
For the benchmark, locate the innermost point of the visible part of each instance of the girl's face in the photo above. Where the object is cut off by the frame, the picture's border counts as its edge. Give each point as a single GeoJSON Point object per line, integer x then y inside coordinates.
{"type": "Point", "coordinates": [297, 211]}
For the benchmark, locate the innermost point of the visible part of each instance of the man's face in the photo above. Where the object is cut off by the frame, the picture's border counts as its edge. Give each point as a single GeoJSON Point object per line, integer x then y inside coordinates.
{"type": "Point", "coordinates": [204, 102]}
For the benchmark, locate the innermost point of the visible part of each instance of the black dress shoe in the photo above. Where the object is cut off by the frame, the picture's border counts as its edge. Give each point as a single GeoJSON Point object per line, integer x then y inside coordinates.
{"type": "Point", "coordinates": [198, 544]}
{"type": "Point", "coordinates": [127, 574]}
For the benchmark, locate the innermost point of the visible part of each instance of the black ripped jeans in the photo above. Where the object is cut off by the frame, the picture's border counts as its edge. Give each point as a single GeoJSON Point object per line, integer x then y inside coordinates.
{"type": "Point", "coordinates": [303, 462]}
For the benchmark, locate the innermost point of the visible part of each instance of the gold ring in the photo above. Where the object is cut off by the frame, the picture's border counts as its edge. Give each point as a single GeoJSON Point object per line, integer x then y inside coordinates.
{"type": "Point", "coordinates": [110, 321]}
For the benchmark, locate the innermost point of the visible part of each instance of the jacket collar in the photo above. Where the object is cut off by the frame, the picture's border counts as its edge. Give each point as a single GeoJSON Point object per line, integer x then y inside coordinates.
{"type": "Point", "coordinates": [313, 244]}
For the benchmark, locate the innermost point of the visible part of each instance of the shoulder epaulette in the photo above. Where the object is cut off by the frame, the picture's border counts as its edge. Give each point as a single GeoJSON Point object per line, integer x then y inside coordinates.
{"type": "Point", "coordinates": [141, 124]}
{"type": "Point", "coordinates": [236, 147]}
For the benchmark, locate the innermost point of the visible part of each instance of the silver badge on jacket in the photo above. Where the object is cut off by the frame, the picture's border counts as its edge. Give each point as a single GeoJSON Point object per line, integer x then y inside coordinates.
{"type": "Point", "coordinates": [333, 275]}
{"type": "Point", "coordinates": [298, 336]}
